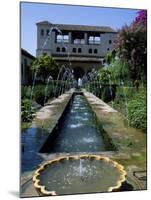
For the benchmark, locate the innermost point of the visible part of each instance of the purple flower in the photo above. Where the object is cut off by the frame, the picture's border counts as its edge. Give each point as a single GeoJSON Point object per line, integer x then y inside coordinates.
{"type": "Point", "coordinates": [141, 19]}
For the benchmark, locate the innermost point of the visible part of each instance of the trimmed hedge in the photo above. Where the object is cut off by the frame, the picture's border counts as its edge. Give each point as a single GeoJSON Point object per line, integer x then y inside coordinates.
{"type": "Point", "coordinates": [137, 111]}
{"type": "Point", "coordinates": [53, 89]}
{"type": "Point", "coordinates": [106, 92]}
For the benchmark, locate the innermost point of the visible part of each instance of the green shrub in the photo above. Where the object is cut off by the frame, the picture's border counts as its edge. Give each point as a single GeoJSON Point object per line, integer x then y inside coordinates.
{"type": "Point", "coordinates": [108, 93]}
{"type": "Point", "coordinates": [60, 87]}
{"type": "Point", "coordinates": [129, 92]}
{"type": "Point", "coordinates": [26, 110]}
{"type": "Point", "coordinates": [54, 88]}
{"type": "Point", "coordinates": [119, 71]}
{"type": "Point", "coordinates": [25, 92]}
{"type": "Point", "coordinates": [125, 92]}
{"type": "Point", "coordinates": [137, 111]}
{"type": "Point", "coordinates": [39, 94]}
{"type": "Point", "coordinates": [105, 75]}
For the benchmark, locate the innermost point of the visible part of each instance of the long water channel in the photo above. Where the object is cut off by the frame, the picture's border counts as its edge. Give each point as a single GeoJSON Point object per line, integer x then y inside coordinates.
{"type": "Point", "coordinates": [78, 131]}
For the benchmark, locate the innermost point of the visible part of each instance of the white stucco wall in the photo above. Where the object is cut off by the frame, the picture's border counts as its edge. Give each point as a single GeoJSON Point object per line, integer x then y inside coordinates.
{"type": "Point", "coordinates": [50, 46]}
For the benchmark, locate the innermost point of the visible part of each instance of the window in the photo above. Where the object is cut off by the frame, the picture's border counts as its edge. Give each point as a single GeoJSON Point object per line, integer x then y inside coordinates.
{"type": "Point", "coordinates": [78, 37]}
{"type": "Point", "coordinates": [65, 38]}
{"type": "Point", "coordinates": [74, 50]}
{"type": "Point", "coordinates": [47, 32]}
{"type": "Point", "coordinates": [97, 40]}
{"type": "Point", "coordinates": [110, 41]}
{"type": "Point", "coordinates": [91, 39]}
{"type": "Point", "coordinates": [90, 50]}
{"type": "Point", "coordinates": [59, 38]}
{"type": "Point", "coordinates": [76, 41]}
{"type": "Point", "coordinates": [79, 50]}
{"type": "Point", "coordinates": [94, 40]}
{"type": "Point", "coordinates": [58, 49]}
{"type": "Point", "coordinates": [42, 32]}
{"type": "Point", "coordinates": [62, 38]}
{"type": "Point", "coordinates": [63, 49]}
{"type": "Point", "coordinates": [108, 49]}
{"type": "Point", "coordinates": [95, 51]}
{"type": "Point", "coordinates": [79, 41]}
{"type": "Point", "coordinates": [82, 41]}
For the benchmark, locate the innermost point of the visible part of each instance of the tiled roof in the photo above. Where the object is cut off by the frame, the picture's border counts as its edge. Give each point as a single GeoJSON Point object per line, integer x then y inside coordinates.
{"type": "Point", "coordinates": [72, 27]}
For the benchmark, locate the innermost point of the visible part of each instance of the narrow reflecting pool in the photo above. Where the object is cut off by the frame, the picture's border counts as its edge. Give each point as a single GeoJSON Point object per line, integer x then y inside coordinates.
{"type": "Point", "coordinates": [78, 132]}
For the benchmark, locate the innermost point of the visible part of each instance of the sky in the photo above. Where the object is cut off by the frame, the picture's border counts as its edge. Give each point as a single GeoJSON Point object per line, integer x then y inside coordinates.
{"type": "Point", "coordinates": [31, 13]}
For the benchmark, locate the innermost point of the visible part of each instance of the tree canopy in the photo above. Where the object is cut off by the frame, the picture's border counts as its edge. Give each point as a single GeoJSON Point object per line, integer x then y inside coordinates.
{"type": "Point", "coordinates": [45, 66]}
{"type": "Point", "coordinates": [131, 45]}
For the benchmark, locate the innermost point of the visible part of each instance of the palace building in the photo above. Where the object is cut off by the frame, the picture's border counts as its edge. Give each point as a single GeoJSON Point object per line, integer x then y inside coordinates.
{"type": "Point", "coordinates": [80, 46]}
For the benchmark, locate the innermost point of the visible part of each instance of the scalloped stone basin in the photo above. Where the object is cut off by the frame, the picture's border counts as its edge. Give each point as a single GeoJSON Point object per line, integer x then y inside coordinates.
{"type": "Point", "coordinates": [79, 174]}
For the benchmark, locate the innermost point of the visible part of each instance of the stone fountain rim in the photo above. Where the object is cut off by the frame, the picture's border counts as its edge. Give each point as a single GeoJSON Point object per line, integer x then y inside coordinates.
{"type": "Point", "coordinates": [42, 189]}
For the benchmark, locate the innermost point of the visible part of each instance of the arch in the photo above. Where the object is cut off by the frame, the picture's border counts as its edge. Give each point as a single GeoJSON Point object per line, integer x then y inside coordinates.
{"type": "Point", "coordinates": [74, 50]}
{"type": "Point", "coordinates": [58, 49]}
{"type": "Point", "coordinates": [95, 51]}
{"type": "Point", "coordinates": [79, 50]}
{"type": "Point", "coordinates": [42, 32]}
{"type": "Point", "coordinates": [90, 50]}
{"type": "Point", "coordinates": [78, 72]}
{"type": "Point", "coordinates": [63, 49]}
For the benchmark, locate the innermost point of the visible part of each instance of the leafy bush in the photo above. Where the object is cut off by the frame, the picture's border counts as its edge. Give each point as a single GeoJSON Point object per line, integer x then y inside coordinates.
{"type": "Point", "coordinates": [125, 92]}
{"type": "Point", "coordinates": [92, 87]}
{"type": "Point", "coordinates": [131, 45]}
{"type": "Point", "coordinates": [25, 92]}
{"type": "Point", "coordinates": [105, 75]}
{"type": "Point", "coordinates": [137, 111]}
{"type": "Point", "coordinates": [45, 65]}
{"type": "Point", "coordinates": [39, 94]}
{"type": "Point", "coordinates": [119, 70]}
{"type": "Point", "coordinates": [108, 93]}
{"type": "Point", "coordinates": [43, 93]}
{"type": "Point", "coordinates": [26, 110]}
{"type": "Point", "coordinates": [61, 87]}
{"type": "Point", "coordinates": [54, 88]}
